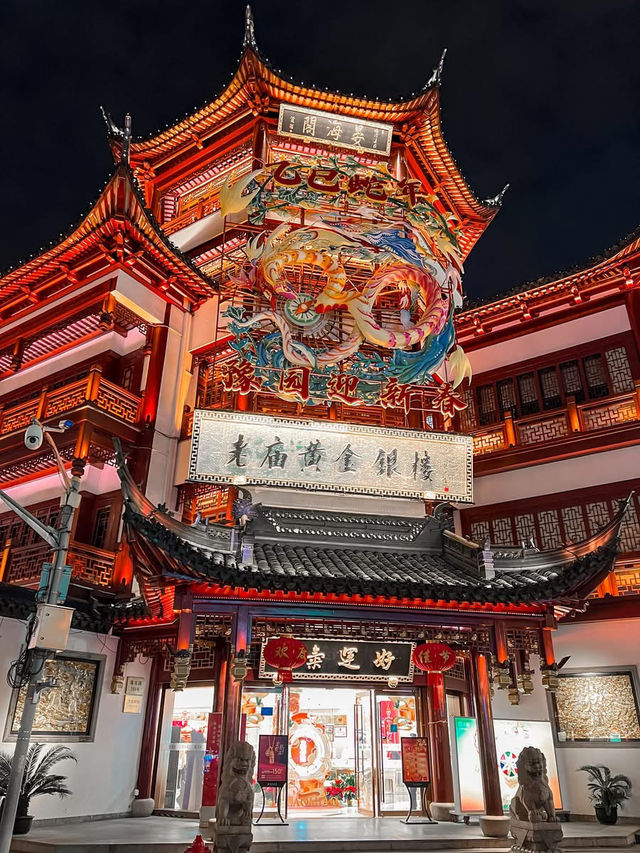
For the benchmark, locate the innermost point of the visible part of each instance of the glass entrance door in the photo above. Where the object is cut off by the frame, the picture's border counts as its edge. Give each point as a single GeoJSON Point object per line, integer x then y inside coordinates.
{"type": "Point", "coordinates": [363, 732]}
{"type": "Point", "coordinates": [183, 739]}
{"type": "Point", "coordinates": [395, 719]}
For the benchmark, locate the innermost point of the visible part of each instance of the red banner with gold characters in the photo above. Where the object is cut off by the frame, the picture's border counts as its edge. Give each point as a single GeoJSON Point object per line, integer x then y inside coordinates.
{"type": "Point", "coordinates": [212, 759]}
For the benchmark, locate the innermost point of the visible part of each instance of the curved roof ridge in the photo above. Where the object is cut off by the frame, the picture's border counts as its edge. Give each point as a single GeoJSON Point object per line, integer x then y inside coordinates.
{"type": "Point", "coordinates": [108, 204]}
{"type": "Point", "coordinates": [608, 254]}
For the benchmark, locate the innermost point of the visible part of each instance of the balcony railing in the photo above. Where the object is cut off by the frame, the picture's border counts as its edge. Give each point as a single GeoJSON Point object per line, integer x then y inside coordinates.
{"type": "Point", "coordinates": [552, 426]}
{"type": "Point", "coordinates": [22, 564]}
{"type": "Point", "coordinates": [93, 390]}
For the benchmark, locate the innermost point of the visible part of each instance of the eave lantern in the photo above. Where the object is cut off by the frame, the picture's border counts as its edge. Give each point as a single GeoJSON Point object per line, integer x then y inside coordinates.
{"type": "Point", "coordinates": [285, 654]}
{"type": "Point", "coordinates": [434, 659]}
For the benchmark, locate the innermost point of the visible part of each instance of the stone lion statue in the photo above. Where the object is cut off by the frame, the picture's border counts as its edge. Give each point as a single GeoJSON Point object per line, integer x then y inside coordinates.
{"type": "Point", "coordinates": [234, 805]}
{"type": "Point", "coordinates": [533, 801]}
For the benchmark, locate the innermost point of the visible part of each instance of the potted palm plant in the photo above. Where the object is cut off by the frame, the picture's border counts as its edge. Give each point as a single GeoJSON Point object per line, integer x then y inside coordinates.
{"type": "Point", "coordinates": [37, 780]}
{"type": "Point", "coordinates": [606, 791]}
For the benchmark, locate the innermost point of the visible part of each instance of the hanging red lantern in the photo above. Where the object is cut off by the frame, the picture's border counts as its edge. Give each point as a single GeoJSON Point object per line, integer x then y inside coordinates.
{"type": "Point", "coordinates": [434, 659]}
{"type": "Point", "coordinates": [285, 654]}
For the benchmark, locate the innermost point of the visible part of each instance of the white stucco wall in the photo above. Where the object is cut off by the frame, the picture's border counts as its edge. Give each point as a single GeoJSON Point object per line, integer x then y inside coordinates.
{"type": "Point", "coordinates": [105, 775]}
{"type": "Point", "coordinates": [598, 644]}
{"type": "Point", "coordinates": [519, 348]}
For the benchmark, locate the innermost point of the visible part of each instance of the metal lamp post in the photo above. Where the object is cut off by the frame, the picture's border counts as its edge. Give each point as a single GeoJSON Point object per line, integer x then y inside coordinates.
{"type": "Point", "coordinates": [54, 582]}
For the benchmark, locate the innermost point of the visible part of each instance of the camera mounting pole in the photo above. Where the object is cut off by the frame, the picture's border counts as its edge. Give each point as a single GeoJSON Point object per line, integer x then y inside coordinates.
{"type": "Point", "coordinates": [52, 591]}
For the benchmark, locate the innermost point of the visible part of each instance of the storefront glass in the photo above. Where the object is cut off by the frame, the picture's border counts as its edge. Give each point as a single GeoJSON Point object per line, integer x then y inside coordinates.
{"type": "Point", "coordinates": [396, 718]}
{"type": "Point", "coordinates": [344, 747]}
{"type": "Point", "coordinates": [182, 748]}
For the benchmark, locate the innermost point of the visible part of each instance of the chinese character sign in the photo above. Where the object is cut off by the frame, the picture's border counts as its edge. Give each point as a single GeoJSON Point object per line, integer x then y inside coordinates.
{"type": "Point", "coordinates": [238, 447]}
{"type": "Point", "coordinates": [360, 135]}
{"type": "Point", "coordinates": [351, 660]}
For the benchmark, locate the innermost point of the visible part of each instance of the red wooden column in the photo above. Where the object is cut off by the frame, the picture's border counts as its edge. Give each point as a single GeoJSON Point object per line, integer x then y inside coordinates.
{"type": "Point", "coordinates": [481, 691]}
{"type": "Point", "coordinates": [439, 747]}
{"type": "Point", "coordinates": [149, 730]}
{"type": "Point", "coordinates": [232, 701]}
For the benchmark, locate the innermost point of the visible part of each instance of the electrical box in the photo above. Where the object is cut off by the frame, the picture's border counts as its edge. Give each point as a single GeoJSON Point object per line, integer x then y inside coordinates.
{"type": "Point", "coordinates": [52, 627]}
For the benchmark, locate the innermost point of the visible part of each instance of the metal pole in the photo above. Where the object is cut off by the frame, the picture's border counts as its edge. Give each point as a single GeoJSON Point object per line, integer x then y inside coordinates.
{"type": "Point", "coordinates": [37, 660]}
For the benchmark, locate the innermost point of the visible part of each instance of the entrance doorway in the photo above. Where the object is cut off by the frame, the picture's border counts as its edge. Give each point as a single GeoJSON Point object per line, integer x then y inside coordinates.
{"type": "Point", "coordinates": [181, 748]}
{"type": "Point", "coordinates": [344, 746]}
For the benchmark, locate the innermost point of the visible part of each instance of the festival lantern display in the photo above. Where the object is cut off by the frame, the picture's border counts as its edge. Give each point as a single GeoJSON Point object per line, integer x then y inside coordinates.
{"type": "Point", "coordinates": [354, 305]}
{"type": "Point", "coordinates": [285, 654]}
{"type": "Point", "coordinates": [434, 659]}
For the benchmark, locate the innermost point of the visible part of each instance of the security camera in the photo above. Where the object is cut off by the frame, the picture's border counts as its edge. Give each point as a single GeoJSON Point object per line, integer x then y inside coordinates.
{"type": "Point", "coordinates": [65, 424]}
{"type": "Point", "coordinates": [33, 436]}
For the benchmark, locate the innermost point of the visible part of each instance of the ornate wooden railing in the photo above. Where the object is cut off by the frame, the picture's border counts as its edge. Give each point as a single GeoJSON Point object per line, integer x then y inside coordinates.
{"type": "Point", "coordinates": [563, 423]}
{"type": "Point", "coordinates": [22, 564]}
{"type": "Point", "coordinates": [93, 390]}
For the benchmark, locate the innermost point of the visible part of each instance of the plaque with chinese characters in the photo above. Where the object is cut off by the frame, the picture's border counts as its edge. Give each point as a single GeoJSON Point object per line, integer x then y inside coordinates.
{"type": "Point", "coordinates": [240, 448]}
{"type": "Point", "coordinates": [352, 660]}
{"type": "Point", "coordinates": [367, 136]}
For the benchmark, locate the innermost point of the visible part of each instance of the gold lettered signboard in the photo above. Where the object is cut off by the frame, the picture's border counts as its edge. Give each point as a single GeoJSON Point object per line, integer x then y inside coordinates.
{"type": "Point", "coordinates": [238, 448]}
{"type": "Point", "coordinates": [371, 137]}
{"type": "Point", "coordinates": [351, 660]}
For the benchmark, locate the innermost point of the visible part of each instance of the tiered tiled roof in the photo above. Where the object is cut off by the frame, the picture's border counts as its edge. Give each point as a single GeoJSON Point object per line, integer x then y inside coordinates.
{"type": "Point", "coordinates": [118, 218]}
{"type": "Point", "coordinates": [356, 556]}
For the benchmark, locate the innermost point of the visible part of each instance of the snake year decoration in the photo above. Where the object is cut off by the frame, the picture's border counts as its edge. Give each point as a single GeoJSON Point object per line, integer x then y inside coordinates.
{"type": "Point", "coordinates": [401, 299]}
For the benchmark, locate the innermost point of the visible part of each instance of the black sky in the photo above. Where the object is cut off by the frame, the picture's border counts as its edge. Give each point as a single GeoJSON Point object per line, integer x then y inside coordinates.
{"type": "Point", "coordinates": [543, 95]}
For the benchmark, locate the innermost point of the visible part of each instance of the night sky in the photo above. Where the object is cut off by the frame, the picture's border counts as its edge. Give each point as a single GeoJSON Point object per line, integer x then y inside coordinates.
{"type": "Point", "coordinates": [541, 95]}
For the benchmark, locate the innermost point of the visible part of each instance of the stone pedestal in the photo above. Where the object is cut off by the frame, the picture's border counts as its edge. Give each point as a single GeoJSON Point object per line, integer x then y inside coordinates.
{"type": "Point", "coordinates": [142, 807]}
{"type": "Point", "coordinates": [230, 839]}
{"type": "Point", "coordinates": [442, 811]}
{"type": "Point", "coordinates": [494, 826]}
{"type": "Point", "coordinates": [535, 837]}
{"type": "Point", "coordinates": [207, 814]}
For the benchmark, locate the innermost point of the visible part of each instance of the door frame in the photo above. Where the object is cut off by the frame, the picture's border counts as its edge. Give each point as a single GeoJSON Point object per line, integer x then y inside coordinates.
{"type": "Point", "coordinates": [161, 757]}
{"type": "Point", "coordinates": [397, 691]}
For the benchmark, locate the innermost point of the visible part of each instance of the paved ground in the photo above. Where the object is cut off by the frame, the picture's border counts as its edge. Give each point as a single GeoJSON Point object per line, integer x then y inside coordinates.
{"type": "Point", "coordinates": [314, 835]}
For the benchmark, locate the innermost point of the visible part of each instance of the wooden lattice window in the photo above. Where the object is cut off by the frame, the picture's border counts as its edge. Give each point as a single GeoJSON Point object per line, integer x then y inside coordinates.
{"type": "Point", "coordinates": [572, 380]}
{"type": "Point", "coordinates": [529, 403]}
{"type": "Point", "coordinates": [619, 370]}
{"type": "Point", "coordinates": [597, 384]}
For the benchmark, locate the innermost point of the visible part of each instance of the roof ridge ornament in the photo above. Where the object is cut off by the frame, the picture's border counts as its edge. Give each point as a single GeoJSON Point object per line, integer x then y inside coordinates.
{"type": "Point", "coordinates": [496, 201]}
{"type": "Point", "coordinates": [122, 134]}
{"type": "Point", "coordinates": [126, 138]}
{"type": "Point", "coordinates": [436, 76]}
{"type": "Point", "coordinates": [249, 29]}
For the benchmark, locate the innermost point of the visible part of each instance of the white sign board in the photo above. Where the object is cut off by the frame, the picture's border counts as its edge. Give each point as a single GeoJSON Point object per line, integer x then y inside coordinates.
{"type": "Point", "coordinates": [239, 448]}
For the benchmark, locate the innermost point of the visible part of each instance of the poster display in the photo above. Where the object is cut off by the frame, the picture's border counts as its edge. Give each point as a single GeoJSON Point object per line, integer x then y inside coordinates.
{"type": "Point", "coordinates": [467, 776]}
{"type": "Point", "coordinates": [415, 760]}
{"type": "Point", "coordinates": [511, 737]}
{"type": "Point", "coordinates": [212, 759]}
{"type": "Point", "coordinates": [273, 759]}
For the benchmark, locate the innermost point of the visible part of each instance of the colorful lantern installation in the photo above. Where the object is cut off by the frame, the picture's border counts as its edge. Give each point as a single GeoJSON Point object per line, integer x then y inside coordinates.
{"type": "Point", "coordinates": [285, 654]}
{"type": "Point", "coordinates": [434, 659]}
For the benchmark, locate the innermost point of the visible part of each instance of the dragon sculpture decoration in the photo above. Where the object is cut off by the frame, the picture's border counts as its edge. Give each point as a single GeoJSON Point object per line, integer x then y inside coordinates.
{"type": "Point", "coordinates": [368, 281]}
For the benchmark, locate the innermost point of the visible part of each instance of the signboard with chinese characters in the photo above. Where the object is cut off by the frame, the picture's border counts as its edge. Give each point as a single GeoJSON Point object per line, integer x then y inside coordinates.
{"type": "Point", "coordinates": [240, 448]}
{"type": "Point", "coordinates": [313, 125]}
{"type": "Point", "coordinates": [415, 760]}
{"type": "Point", "coordinates": [212, 759]}
{"type": "Point", "coordinates": [352, 660]}
{"type": "Point", "coordinates": [273, 759]}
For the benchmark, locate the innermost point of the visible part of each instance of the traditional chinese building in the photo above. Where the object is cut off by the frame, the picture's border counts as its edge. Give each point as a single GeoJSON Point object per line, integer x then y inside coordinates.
{"type": "Point", "coordinates": [264, 310]}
